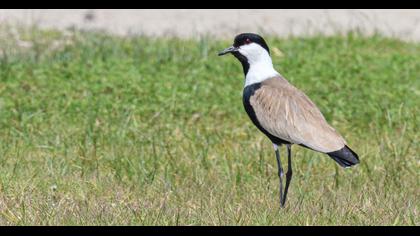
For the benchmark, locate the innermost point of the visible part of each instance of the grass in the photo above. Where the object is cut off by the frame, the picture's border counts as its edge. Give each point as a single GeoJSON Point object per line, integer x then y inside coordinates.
{"type": "Point", "coordinates": [103, 130]}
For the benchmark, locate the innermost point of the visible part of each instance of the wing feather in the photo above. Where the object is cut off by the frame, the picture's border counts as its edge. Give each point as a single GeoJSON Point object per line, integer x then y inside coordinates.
{"type": "Point", "coordinates": [287, 113]}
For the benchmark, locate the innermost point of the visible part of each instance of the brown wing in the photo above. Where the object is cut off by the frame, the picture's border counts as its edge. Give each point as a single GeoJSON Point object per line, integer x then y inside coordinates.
{"type": "Point", "coordinates": [287, 113]}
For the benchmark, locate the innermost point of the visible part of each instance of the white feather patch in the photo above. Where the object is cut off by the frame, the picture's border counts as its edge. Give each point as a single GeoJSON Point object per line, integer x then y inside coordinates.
{"type": "Point", "coordinates": [260, 64]}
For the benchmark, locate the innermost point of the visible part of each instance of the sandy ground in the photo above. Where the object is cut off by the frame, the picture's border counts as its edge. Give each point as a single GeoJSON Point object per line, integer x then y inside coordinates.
{"type": "Point", "coordinates": [404, 24]}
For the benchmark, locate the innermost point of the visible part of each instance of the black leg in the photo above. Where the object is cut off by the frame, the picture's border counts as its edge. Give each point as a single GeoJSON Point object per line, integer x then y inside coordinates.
{"type": "Point", "coordinates": [289, 172]}
{"type": "Point", "coordinates": [280, 172]}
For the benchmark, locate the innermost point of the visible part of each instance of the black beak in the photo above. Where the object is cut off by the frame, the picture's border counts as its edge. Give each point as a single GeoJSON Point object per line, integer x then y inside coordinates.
{"type": "Point", "coordinates": [228, 50]}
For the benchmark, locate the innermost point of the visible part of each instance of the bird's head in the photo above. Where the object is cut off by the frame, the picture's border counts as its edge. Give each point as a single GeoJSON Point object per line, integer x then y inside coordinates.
{"type": "Point", "coordinates": [249, 49]}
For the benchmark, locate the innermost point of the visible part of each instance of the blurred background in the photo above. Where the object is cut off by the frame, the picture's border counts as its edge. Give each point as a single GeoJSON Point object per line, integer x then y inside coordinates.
{"type": "Point", "coordinates": [225, 23]}
{"type": "Point", "coordinates": [106, 118]}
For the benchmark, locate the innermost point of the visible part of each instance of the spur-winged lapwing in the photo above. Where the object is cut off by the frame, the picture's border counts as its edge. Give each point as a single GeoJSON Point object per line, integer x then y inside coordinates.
{"type": "Point", "coordinates": [281, 111]}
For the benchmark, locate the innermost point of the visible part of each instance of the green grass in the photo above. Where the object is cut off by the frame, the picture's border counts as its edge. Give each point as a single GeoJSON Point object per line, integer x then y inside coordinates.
{"type": "Point", "coordinates": [104, 130]}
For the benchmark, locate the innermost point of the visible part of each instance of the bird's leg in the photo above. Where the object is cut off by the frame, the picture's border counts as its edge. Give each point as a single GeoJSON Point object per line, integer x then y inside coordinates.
{"type": "Point", "coordinates": [280, 172]}
{"type": "Point", "coordinates": [289, 172]}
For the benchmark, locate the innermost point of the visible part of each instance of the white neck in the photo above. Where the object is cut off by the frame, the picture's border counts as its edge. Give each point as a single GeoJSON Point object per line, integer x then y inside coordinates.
{"type": "Point", "coordinates": [259, 72]}
{"type": "Point", "coordinates": [260, 64]}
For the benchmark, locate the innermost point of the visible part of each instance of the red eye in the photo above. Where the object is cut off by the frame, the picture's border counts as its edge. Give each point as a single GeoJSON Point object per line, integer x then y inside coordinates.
{"type": "Point", "coordinates": [247, 41]}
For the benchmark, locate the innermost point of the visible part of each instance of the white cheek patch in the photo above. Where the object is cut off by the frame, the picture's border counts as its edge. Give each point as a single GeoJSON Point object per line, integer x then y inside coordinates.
{"type": "Point", "coordinates": [253, 52]}
{"type": "Point", "coordinates": [260, 64]}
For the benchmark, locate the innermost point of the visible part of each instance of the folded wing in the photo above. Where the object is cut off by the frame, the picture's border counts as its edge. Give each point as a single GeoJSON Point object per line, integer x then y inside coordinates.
{"type": "Point", "coordinates": [287, 113]}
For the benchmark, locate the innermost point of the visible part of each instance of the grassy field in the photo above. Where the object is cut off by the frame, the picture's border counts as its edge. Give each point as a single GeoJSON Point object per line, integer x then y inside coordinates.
{"type": "Point", "coordinates": [102, 130]}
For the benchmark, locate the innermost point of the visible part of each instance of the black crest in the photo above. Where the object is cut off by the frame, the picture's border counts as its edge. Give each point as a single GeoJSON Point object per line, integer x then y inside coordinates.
{"type": "Point", "coordinates": [247, 38]}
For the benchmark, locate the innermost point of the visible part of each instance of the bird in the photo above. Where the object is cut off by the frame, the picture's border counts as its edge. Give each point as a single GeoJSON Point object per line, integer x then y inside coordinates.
{"type": "Point", "coordinates": [282, 112]}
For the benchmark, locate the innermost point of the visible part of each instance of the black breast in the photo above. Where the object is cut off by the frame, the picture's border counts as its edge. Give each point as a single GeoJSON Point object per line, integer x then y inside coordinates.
{"type": "Point", "coordinates": [248, 93]}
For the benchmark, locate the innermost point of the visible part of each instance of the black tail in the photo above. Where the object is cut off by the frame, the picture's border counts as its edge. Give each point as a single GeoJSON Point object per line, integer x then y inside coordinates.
{"type": "Point", "coordinates": [345, 157]}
